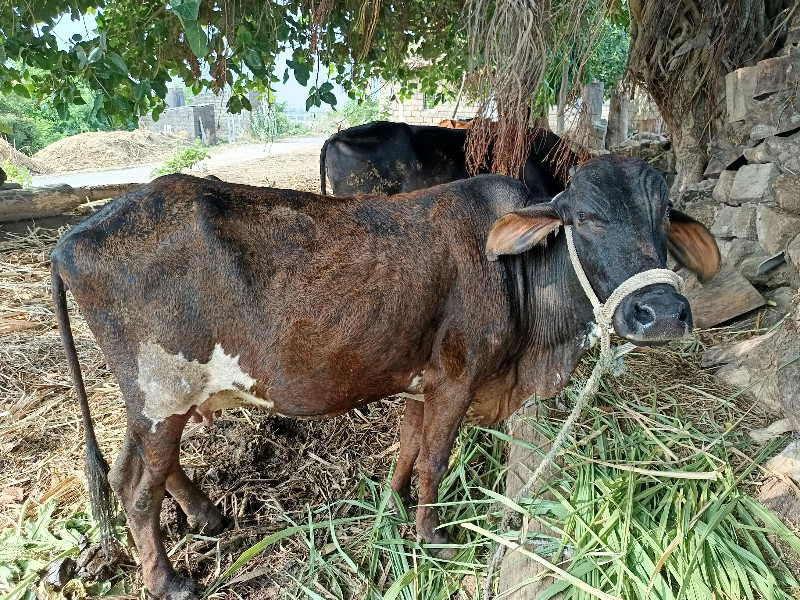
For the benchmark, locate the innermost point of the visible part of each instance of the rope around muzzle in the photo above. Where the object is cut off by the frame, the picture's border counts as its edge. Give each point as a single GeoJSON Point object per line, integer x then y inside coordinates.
{"type": "Point", "coordinates": [603, 314]}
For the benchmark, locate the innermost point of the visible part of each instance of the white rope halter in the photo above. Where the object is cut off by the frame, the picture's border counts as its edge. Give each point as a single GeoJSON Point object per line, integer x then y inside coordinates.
{"type": "Point", "coordinates": [604, 312]}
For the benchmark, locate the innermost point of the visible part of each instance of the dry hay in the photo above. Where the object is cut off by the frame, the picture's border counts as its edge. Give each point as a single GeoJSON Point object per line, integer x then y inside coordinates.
{"type": "Point", "coordinates": [261, 470]}
{"type": "Point", "coordinates": [17, 158]}
{"type": "Point", "coordinates": [97, 150]}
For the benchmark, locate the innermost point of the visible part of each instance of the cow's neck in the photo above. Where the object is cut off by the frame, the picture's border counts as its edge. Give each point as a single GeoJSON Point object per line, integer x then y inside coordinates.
{"type": "Point", "coordinates": [552, 316]}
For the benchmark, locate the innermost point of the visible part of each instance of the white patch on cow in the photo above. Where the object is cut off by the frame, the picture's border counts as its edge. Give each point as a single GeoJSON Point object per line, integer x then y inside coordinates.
{"type": "Point", "coordinates": [416, 382]}
{"type": "Point", "coordinates": [417, 397]}
{"type": "Point", "coordinates": [173, 385]}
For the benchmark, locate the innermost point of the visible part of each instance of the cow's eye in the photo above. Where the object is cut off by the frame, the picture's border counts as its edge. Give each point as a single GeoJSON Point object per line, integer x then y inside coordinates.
{"type": "Point", "coordinates": [581, 215]}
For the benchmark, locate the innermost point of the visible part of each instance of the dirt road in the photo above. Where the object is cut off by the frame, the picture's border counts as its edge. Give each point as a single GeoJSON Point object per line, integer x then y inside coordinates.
{"type": "Point", "coordinates": [224, 159]}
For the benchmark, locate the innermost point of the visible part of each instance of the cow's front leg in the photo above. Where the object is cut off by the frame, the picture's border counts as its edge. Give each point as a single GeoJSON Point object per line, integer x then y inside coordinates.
{"type": "Point", "coordinates": [410, 442]}
{"type": "Point", "coordinates": [138, 477]}
{"type": "Point", "coordinates": [444, 410]}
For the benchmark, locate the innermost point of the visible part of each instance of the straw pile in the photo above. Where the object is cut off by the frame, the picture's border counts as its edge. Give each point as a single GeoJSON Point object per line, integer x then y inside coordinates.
{"type": "Point", "coordinates": [17, 158]}
{"type": "Point", "coordinates": [97, 150]}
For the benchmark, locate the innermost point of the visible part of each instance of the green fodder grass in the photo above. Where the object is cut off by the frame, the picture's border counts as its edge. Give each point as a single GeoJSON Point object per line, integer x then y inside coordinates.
{"type": "Point", "coordinates": [652, 500]}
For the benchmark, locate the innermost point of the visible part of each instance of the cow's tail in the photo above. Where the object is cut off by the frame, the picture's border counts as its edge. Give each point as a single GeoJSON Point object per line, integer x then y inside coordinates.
{"type": "Point", "coordinates": [322, 166]}
{"type": "Point", "coordinates": [96, 466]}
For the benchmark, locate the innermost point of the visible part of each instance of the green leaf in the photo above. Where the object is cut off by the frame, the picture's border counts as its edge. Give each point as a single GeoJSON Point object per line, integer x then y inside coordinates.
{"type": "Point", "coordinates": [310, 101]}
{"type": "Point", "coordinates": [95, 55]}
{"type": "Point", "coordinates": [235, 105]}
{"type": "Point", "coordinates": [328, 98]}
{"type": "Point", "coordinates": [302, 75]}
{"type": "Point", "coordinates": [22, 91]}
{"type": "Point", "coordinates": [186, 9]}
{"type": "Point", "coordinates": [243, 36]}
{"type": "Point", "coordinates": [118, 63]}
{"type": "Point", "coordinates": [246, 103]}
{"type": "Point", "coordinates": [196, 37]}
{"type": "Point", "coordinates": [81, 54]}
{"type": "Point", "coordinates": [141, 89]}
{"type": "Point", "coordinates": [252, 59]}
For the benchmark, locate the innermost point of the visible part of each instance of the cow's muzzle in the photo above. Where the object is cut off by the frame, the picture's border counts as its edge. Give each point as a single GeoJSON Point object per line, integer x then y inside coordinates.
{"type": "Point", "coordinates": [653, 315]}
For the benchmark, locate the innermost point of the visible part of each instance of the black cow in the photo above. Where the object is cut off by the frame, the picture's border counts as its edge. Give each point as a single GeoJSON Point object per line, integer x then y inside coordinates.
{"type": "Point", "coordinates": [389, 158]}
{"type": "Point", "coordinates": [205, 295]}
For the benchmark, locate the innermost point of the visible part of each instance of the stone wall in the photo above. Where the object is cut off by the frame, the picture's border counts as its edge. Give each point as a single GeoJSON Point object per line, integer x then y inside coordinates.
{"type": "Point", "coordinates": [751, 195]}
{"type": "Point", "coordinates": [193, 121]}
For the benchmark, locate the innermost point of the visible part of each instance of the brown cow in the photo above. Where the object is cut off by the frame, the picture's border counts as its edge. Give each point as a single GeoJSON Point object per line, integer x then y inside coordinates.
{"type": "Point", "coordinates": [455, 123]}
{"type": "Point", "coordinates": [205, 295]}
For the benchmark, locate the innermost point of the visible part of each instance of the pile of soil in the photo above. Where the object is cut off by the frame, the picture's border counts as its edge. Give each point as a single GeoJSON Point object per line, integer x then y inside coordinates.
{"type": "Point", "coordinates": [17, 158]}
{"type": "Point", "coordinates": [97, 150]}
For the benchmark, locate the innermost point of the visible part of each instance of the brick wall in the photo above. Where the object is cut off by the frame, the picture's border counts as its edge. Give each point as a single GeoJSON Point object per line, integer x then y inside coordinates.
{"type": "Point", "coordinates": [211, 110]}
{"type": "Point", "coordinates": [413, 111]}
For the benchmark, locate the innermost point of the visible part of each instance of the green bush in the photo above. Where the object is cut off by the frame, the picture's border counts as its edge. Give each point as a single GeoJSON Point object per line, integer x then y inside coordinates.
{"type": "Point", "coordinates": [185, 157]}
{"type": "Point", "coordinates": [30, 125]}
{"type": "Point", "coordinates": [19, 174]}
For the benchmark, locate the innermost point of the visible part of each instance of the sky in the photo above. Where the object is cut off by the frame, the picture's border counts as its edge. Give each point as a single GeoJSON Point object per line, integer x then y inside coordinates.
{"type": "Point", "coordinates": [291, 92]}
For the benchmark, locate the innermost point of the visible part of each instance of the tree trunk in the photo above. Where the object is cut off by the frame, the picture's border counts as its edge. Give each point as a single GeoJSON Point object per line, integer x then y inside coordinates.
{"type": "Point", "coordinates": [562, 98]}
{"type": "Point", "coordinates": [32, 203]}
{"type": "Point", "coordinates": [689, 143]}
{"type": "Point", "coordinates": [617, 131]}
{"type": "Point", "coordinates": [522, 462]}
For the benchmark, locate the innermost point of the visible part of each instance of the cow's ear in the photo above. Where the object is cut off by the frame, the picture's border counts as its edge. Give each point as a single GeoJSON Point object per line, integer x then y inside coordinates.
{"type": "Point", "coordinates": [693, 246]}
{"type": "Point", "coordinates": [521, 230]}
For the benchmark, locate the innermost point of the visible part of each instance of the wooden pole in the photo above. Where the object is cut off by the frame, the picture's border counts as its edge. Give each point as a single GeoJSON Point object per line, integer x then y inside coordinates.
{"type": "Point", "coordinates": [522, 463]}
{"type": "Point", "coordinates": [33, 203]}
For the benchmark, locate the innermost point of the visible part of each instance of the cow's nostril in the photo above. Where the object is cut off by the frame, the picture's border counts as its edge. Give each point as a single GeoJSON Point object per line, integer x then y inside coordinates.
{"type": "Point", "coordinates": [682, 316]}
{"type": "Point", "coordinates": [643, 314]}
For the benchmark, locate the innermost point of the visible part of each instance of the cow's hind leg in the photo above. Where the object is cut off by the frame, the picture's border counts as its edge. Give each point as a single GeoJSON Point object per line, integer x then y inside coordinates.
{"type": "Point", "coordinates": [148, 457]}
{"type": "Point", "coordinates": [444, 412]}
{"type": "Point", "coordinates": [410, 440]}
{"type": "Point", "coordinates": [201, 513]}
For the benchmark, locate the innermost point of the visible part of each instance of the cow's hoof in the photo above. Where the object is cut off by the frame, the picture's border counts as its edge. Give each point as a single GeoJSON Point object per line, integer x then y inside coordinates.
{"type": "Point", "coordinates": [441, 553]}
{"type": "Point", "coordinates": [402, 507]}
{"type": "Point", "coordinates": [211, 522]}
{"type": "Point", "coordinates": [444, 553]}
{"type": "Point", "coordinates": [175, 588]}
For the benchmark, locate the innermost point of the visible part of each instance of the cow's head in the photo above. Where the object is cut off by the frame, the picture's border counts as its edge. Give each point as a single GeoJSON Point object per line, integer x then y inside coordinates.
{"type": "Point", "coordinates": [622, 225]}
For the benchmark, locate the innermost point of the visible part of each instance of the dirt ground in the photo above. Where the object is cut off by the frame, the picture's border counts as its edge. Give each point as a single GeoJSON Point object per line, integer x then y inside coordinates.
{"type": "Point", "coordinates": [293, 170]}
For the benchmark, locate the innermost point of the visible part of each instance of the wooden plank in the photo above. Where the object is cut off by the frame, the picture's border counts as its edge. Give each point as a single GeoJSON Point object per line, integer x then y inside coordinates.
{"type": "Point", "coordinates": [32, 203]}
{"type": "Point", "coordinates": [726, 297]}
{"type": "Point", "coordinates": [521, 465]}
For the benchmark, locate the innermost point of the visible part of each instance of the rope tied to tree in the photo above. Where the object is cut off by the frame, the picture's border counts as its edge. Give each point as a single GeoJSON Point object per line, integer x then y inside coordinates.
{"type": "Point", "coordinates": [607, 362]}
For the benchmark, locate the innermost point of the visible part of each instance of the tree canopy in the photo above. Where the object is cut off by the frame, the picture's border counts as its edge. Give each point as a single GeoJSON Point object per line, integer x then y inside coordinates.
{"type": "Point", "coordinates": [509, 55]}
